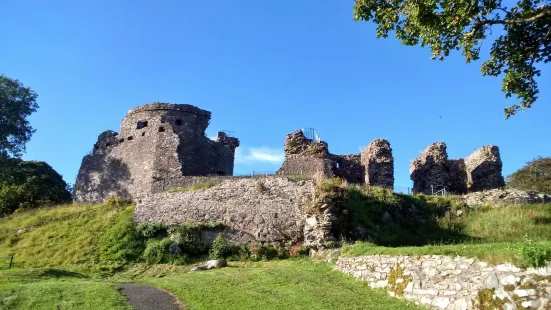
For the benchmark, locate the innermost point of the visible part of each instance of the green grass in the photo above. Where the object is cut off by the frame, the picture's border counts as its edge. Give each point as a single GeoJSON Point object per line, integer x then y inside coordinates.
{"type": "Point", "coordinates": [56, 289]}
{"type": "Point", "coordinates": [493, 253]}
{"type": "Point", "coordinates": [288, 284]}
{"type": "Point", "coordinates": [199, 184]}
{"type": "Point", "coordinates": [510, 223]}
{"type": "Point", "coordinates": [63, 236]}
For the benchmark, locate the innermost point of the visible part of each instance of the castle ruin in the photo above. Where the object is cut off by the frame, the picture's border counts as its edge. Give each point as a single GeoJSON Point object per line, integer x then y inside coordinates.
{"type": "Point", "coordinates": [432, 171]}
{"type": "Point", "coordinates": [158, 146]}
{"type": "Point", "coordinates": [374, 166]}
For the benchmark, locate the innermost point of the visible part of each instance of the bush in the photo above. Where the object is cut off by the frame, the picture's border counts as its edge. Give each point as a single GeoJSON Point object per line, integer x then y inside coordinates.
{"type": "Point", "coordinates": [29, 184]}
{"type": "Point", "coordinates": [534, 255]}
{"type": "Point", "coordinates": [221, 248]}
{"type": "Point", "coordinates": [188, 239]}
{"type": "Point", "coordinates": [535, 175]}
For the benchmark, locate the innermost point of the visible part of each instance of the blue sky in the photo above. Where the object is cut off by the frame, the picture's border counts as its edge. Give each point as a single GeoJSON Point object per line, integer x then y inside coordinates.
{"type": "Point", "coordinates": [264, 69]}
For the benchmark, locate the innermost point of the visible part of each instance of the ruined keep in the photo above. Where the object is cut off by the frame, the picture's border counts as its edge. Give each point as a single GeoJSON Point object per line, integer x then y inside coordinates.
{"type": "Point", "coordinates": [432, 171]}
{"type": "Point", "coordinates": [310, 156]}
{"type": "Point", "coordinates": [158, 146]}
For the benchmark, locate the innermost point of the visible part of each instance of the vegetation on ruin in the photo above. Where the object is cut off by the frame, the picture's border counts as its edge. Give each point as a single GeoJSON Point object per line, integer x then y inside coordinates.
{"type": "Point", "coordinates": [523, 40]}
{"type": "Point", "coordinates": [198, 184]}
{"type": "Point", "coordinates": [534, 176]}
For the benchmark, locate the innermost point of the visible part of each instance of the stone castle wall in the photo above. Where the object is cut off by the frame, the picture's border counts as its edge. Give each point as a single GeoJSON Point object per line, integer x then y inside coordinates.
{"type": "Point", "coordinates": [274, 213]}
{"type": "Point", "coordinates": [433, 171]}
{"type": "Point", "coordinates": [373, 166]}
{"type": "Point", "coordinates": [157, 147]}
{"type": "Point", "coordinates": [443, 282]}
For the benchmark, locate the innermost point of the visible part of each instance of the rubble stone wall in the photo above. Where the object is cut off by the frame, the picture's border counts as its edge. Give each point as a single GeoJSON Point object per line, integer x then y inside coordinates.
{"type": "Point", "coordinates": [158, 144]}
{"type": "Point", "coordinates": [305, 156]}
{"type": "Point", "coordinates": [433, 171]}
{"type": "Point", "coordinates": [443, 282]}
{"type": "Point", "coordinates": [273, 212]}
{"type": "Point", "coordinates": [379, 164]}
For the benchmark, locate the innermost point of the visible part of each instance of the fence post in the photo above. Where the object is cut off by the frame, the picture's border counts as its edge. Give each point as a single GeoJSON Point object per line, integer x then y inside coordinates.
{"type": "Point", "coordinates": [11, 260]}
{"type": "Point", "coordinates": [431, 190]}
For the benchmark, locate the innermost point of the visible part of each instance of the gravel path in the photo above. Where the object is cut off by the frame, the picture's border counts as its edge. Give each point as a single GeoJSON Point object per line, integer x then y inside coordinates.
{"type": "Point", "coordinates": [147, 297]}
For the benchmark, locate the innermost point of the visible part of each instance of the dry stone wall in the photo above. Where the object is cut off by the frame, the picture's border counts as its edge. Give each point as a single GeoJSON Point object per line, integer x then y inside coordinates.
{"type": "Point", "coordinates": [270, 209]}
{"type": "Point", "coordinates": [460, 283]}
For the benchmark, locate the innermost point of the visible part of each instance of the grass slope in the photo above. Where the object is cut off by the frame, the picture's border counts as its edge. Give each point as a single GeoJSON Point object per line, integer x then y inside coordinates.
{"type": "Point", "coordinates": [56, 289]}
{"type": "Point", "coordinates": [288, 284]}
{"type": "Point", "coordinates": [62, 236]}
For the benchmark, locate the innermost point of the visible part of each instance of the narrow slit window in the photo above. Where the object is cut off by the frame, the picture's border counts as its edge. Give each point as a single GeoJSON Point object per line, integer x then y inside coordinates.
{"type": "Point", "coordinates": [130, 138]}
{"type": "Point", "coordinates": [121, 140]}
{"type": "Point", "coordinates": [108, 144]}
{"type": "Point", "coordinates": [161, 129]}
{"type": "Point", "coordinates": [179, 122]}
{"type": "Point", "coordinates": [143, 133]}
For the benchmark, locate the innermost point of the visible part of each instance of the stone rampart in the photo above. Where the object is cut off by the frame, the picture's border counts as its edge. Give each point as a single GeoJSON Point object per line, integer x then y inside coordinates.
{"type": "Point", "coordinates": [443, 282]}
{"type": "Point", "coordinates": [269, 209]}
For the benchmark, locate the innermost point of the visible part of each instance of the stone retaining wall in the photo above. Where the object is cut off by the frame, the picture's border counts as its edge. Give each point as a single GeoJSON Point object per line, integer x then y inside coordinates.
{"type": "Point", "coordinates": [443, 282]}
{"type": "Point", "coordinates": [270, 209]}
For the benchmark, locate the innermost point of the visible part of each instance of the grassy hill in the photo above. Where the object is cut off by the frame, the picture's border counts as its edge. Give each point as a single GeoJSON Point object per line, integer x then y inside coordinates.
{"type": "Point", "coordinates": [64, 257]}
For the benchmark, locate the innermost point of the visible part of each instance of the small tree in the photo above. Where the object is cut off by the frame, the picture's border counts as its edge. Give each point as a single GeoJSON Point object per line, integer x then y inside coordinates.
{"type": "Point", "coordinates": [17, 102]}
{"type": "Point", "coordinates": [535, 175]}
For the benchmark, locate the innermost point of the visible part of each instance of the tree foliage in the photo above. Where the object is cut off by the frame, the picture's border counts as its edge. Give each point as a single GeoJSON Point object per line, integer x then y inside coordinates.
{"type": "Point", "coordinates": [446, 25]}
{"type": "Point", "coordinates": [535, 175]}
{"type": "Point", "coordinates": [17, 102]}
{"type": "Point", "coordinates": [29, 184]}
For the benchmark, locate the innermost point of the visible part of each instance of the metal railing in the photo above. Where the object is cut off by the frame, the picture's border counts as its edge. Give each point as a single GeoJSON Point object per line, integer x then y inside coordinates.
{"type": "Point", "coordinates": [311, 134]}
{"type": "Point", "coordinates": [9, 262]}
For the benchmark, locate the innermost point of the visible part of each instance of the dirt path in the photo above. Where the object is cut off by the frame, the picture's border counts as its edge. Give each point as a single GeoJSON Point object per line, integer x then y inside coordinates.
{"type": "Point", "coordinates": [147, 297]}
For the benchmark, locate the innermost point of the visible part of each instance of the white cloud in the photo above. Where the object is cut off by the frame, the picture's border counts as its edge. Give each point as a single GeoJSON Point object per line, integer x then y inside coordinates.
{"type": "Point", "coordinates": [213, 138]}
{"type": "Point", "coordinates": [259, 155]}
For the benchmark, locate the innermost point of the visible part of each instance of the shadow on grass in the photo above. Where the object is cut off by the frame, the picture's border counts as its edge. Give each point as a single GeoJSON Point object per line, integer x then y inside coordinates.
{"type": "Point", "coordinates": [54, 273]}
{"type": "Point", "coordinates": [395, 220]}
{"type": "Point", "coordinates": [541, 220]}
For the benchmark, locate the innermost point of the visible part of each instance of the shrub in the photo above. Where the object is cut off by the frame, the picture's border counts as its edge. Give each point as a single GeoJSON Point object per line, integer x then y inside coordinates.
{"type": "Point", "coordinates": [534, 255]}
{"type": "Point", "coordinates": [221, 248]}
{"type": "Point", "coordinates": [157, 251]}
{"type": "Point", "coordinates": [151, 230]}
{"type": "Point", "coordinates": [188, 239]}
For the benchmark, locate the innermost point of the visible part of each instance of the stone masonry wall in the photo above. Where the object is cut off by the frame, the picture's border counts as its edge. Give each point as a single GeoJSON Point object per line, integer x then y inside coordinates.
{"type": "Point", "coordinates": [477, 172]}
{"type": "Point", "coordinates": [274, 212]}
{"type": "Point", "coordinates": [483, 169]}
{"type": "Point", "coordinates": [443, 282]}
{"type": "Point", "coordinates": [158, 145]}
{"type": "Point", "coordinates": [305, 156]}
{"type": "Point", "coordinates": [429, 169]}
{"type": "Point", "coordinates": [379, 164]}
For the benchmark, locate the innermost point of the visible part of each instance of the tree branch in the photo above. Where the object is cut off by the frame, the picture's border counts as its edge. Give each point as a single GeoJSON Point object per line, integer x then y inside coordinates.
{"type": "Point", "coordinates": [545, 11]}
